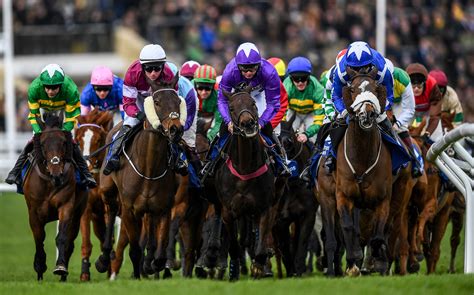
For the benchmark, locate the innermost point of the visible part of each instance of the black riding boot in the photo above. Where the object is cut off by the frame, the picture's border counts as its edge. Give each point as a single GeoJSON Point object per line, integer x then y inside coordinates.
{"type": "Point", "coordinates": [113, 163]}
{"type": "Point", "coordinates": [386, 126]}
{"type": "Point", "coordinates": [178, 161]}
{"type": "Point", "coordinates": [416, 170]}
{"type": "Point", "coordinates": [284, 171]}
{"type": "Point", "coordinates": [336, 134]}
{"type": "Point", "coordinates": [14, 174]}
{"type": "Point", "coordinates": [89, 180]}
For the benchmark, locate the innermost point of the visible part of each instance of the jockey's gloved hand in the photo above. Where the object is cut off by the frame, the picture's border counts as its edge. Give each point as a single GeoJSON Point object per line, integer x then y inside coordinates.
{"type": "Point", "coordinates": [342, 115]}
{"type": "Point", "coordinates": [426, 138]}
{"type": "Point", "coordinates": [141, 116]}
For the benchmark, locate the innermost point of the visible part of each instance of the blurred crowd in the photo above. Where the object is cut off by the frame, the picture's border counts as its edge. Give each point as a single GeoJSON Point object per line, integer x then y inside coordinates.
{"type": "Point", "coordinates": [439, 34]}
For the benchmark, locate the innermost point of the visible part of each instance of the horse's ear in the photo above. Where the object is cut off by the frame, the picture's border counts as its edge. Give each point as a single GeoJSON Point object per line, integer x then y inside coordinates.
{"type": "Point", "coordinates": [227, 94]}
{"type": "Point", "coordinates": [373, 72]}
{"type": "Point", "coordinates": [174, 81]}
{"type": "Point", "coordinates": [39, 120]}
{"type": "Point", "coordinates": [351, 73]}
{"type": "Point", "coordinates": [248, 89]}
{"type": "Point", "coordinates": [382, 96]}
{"type": "Point", "coordinates": [347, 98]}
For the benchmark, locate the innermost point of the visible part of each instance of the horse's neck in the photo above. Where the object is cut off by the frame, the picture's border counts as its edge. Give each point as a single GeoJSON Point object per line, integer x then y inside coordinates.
{"type": "Point", "coordinates": [247, 154]}
{"type": "Point", "coordinates": [362, 146]}
{"type": "Point", "coordinates": [152, 148]}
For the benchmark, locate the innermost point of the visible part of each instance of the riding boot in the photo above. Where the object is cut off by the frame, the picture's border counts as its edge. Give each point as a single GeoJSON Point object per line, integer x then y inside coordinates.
{"type": "Point", "coordinates": [178, 161]}
{"type": "Point", "coordinates": [14, 174]}
{"type": "Point", "coordinates": [113, 163]}
{"type": "Point", "coordinates": [416, 170]}
{"type": "Point", "coordinates": [386, 127]}
{"type": "Point", "coordinates": [89, 180]}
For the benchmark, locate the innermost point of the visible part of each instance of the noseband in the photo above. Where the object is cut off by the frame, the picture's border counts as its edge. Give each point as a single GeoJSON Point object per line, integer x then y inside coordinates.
{"type": "Point", "coordinates": [238, 130]}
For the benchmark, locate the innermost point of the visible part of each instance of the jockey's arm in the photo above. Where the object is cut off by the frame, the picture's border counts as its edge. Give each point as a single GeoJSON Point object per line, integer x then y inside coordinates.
{"type": "Point", "coordinates": [222, 103]}
{"type": "Point", "coordinates": [388, 83]}
{"type": "Point", "coordinates": [212, 132]}
{"type": "Point", "coordinates": [130, 94]}
{"type": "Point", "coordinates": [435, 110]}
{"type": "Point", "coordinates": [283, 107]}
{"type": "Point", "coordinates": [408, 107]}
{"type": "Point", "coordinates": [272, 97]}
{"type": "Point", "coordinates": [318, 111]}
{"type": "Point", "coordinates": [72, 109]}
{"type": "Point", "coordinates": [191, 109]}
{"type": "Point", "coordinates": [336, 93]}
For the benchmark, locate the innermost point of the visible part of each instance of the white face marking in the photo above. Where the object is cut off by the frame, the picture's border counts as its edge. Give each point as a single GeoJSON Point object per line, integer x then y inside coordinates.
{"type": "Point", "coordinates": [363, 85]}
{"type": "Point", "coordinates": [86, 149]}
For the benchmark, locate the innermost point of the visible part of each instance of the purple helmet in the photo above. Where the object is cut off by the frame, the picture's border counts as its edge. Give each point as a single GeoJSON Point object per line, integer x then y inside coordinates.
{"type": "Point", "coordinates": [359, 54]}
{"type": "Point", "coordinates": [247, 54]}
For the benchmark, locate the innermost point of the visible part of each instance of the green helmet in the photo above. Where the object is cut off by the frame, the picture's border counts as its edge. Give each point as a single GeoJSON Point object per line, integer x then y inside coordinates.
{"type": "Point", "coordinates": [52, 74]}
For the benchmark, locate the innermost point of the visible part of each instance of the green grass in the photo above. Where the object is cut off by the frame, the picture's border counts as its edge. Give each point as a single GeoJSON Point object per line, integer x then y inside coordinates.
{"type": "Point", "coordinates": [18, 277]}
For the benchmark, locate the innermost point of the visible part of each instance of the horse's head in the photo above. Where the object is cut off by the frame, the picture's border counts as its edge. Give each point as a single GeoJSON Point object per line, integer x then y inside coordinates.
{"type": "Point", "coordinates": [364, 98]}
{"type": "Point", "coordinates": [91, 134]}
{"type": "Point", "coordinates": [53, 147]}
{"type": "Point", "coordinates": [288, 138]}
{"type": "Point", "coordinates": [243, 112]}
{"type": "Point", "coordinates": [166, 110]}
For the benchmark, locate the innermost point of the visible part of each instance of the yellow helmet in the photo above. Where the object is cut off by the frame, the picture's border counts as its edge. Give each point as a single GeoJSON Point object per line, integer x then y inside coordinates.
{"type": "Point", "coordinates": [279, 65]}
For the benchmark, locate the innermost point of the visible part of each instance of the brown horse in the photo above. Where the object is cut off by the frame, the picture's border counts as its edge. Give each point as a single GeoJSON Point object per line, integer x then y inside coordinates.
{"type": "Point", "coordinates": [90, 135]}
{"type": "Point", "coordinates": [363, 174]}
{"type": "Point", "coordinates": [245, 185]}
{"type": "Point", "coordinates": [145, 184]}
{"type": "Point", "coordinates": [51, 193]}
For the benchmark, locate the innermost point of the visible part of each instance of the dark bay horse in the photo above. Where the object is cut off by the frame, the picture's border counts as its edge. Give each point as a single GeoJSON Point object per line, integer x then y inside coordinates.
{"type": "Point", "coordinates": [52, 193]}
{"type": "Point", "coordinates": [145, 184]}
{"type": "Point", "coordinates": [90, 135]}
{"type": "Point", "coordinates": [363, 174]}
{"type": "Point", "coordinates": [245, 185]}
{"type": "Point", "coordinates": [297, 207]}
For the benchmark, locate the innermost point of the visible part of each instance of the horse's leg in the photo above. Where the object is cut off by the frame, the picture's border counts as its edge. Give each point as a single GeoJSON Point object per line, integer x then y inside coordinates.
{"type": "Point", "coordinates": [73, 229]}
{"type": "Point", "coordinates": [457, 224]}
{"type": "Point", "coordinates": [162, 236]}
{"type": "Point", "coordinates": [262, 249]}
{"type": "Point", "coordinates": [328, 214]}
{"type": "Point", "coordinates": [234, 246]}
{"type": "Point", "coordinates": [133, 226]}
{"type": "Point", "coordinates": [148, 241]}
{"type": "Point", "coordinates": [281, 234]}
{"type": "Point", "coordinates": [118, 259]}
{"type": "Point", "coordinates": [86, 247]}
{"type": "Point", "coordinates": [171, 249]}
{"type": "Point", "coordinates": [214, 238]}
{"type": "Point", "coordinates": [37, 227]}
{"type": "Point", "coordinates": [111, 205]}
{"type": "Point", "coordinates": [345, 208]}
{"type": "Point", "coordinates": [306, 226]}
{"type": "Point", "coordinates": [65, 213]}
{"type": "Point", "coordinates": [439, 228]}
{"type": "Point", "coordinates": [378, 243]}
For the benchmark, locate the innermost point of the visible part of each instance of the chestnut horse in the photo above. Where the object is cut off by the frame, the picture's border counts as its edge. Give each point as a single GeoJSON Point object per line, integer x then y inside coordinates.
{"type": "Point", "coordinates": [52, 193]}
{"type": "Point", "coordinates": [364, 170]}
{"type": "Point", "coordinates": [90, 135]}
{"type": "Point", "coordinates": [145, 184]}
{"type": "Point", "coordinates": [245, 185]}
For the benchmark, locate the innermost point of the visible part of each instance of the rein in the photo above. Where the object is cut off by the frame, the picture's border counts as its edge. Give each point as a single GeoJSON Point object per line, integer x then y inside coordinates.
{"type": "Point", "coordinates": [361, 177]}
{"type": "Point", "coordinates": [138, 172]}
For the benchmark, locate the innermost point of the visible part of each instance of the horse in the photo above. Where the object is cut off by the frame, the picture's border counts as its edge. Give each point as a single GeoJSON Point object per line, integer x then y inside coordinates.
{"type": "Point", "coordinates": [363, 170]}
{"type": "Point", "coordinates": [298, 206]}
{"type": "Point", "coordinates": [90, 135]}
{"type": "Point", "coordinates": [145, 184]}
{"type": "Point", "coordinates": [52, 193]}
{"type": "Point", "coordinates": [245, 185]}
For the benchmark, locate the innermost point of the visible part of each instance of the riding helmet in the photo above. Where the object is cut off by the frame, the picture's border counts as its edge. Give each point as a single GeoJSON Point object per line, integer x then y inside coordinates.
{"type": "Point", "coordinates": [152, 53]}
{"type": "Point", "coordinates": [52, 74]}
{"type": "Point", "coordinates": [102, 76]}
{"type": "Point", "coordinates": [359, 54]}
{"type": "Point", "coordinates": [247, 54]}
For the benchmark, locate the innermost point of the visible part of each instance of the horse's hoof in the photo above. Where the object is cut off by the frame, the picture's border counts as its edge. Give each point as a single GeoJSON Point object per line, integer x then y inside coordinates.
{"type": "Point", "coordinates": [60, 270]}
{"type": "Point", "coordinates": [220, 273]}
{"type": "Point", "coordinates": [381, 266]}
{"type": "Point", "coordinates": [234, 273]}
{"type": "Point", "coordinates": [102, 264]}
{"type": "Point", "coordinates": [414, 267]}
{"type": "Point", "coordinates": [113, 276]}
{"type": "Point", "coordinates": [200, 272]}
{"type": "Point", "coordinates": [244, 270]}
{"type": "Point", "coordinates": [167, 274]}
{"type": "Point", "coordinates": [63, 278]}
{"type": "Point", "coordinates": [353, 271]}
{"type": "Point", "coordinates": [158, 265]}
{"type": "Point", "coordinates": [148, 268]}
{"type": "Point", "coordinates": [419, 257]}
{"type": "Point", "coordinates": [256, 270]}
{"type": "Point", "coordinates": [39, 276]}
{"type": "Point", "coordinates": [85, 277]}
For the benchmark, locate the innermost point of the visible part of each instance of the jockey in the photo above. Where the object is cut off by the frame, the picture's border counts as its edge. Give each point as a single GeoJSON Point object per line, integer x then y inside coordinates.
{"type": "Point", "coordinates": [427, 100]}
{"type": "Point", "coordinates": [103, 92]}
{"type": "Point", "coordinates": [204, 81]}
{"type": "Point", "coordinates": [404, 111]}
{"type": "Point", "coordinates": [150, 65]}
{"type": "Point", "coordinates": [281, 70]}
{"type": "Point", "coordinates": [188, 69]}
{"type": "Point", "coordinates": [306, 97]}
{"type": "Point", "coordinates": [280, 66]}
{"type": "Point", "coordinates": [450, 101]}
{"type": "Point", "coordinates": [248, 68]}
{"type": "Point", "coordinates": [360, 58]}
{"type": "Point", "coordinates": [51, 91]}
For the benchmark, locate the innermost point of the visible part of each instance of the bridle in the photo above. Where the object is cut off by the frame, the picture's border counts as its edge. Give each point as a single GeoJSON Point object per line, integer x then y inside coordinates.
{"type": "Point", "coordinates": [237, 129]}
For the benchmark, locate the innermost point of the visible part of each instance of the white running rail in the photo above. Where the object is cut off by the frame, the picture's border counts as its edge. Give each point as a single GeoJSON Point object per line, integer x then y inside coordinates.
{"type": "Point", "coordinates": [461, 176]}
